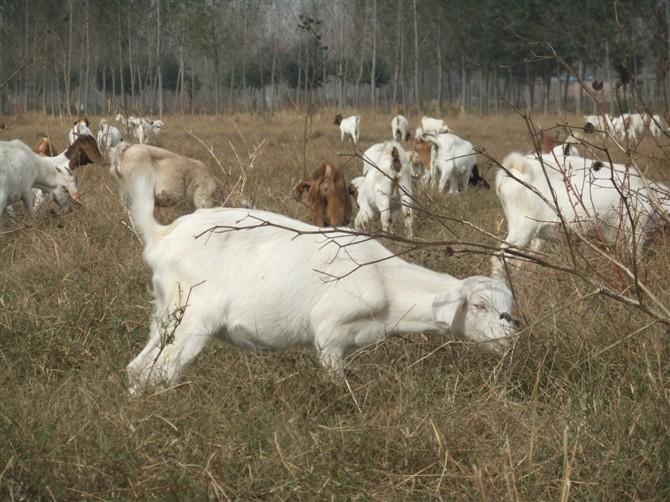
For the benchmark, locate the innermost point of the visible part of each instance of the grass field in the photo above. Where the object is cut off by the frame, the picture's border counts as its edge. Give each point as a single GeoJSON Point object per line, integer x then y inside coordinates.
{"type": "Point", "coordinates": [579, 409]}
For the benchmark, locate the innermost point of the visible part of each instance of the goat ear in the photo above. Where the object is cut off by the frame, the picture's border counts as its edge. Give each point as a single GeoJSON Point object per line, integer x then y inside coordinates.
{"type": "Point", "coordinates": [300, 188]}
{"type": "Point", "coordinates": [353, 191]}
{"type": "Point", "coordinates": [446, 305]}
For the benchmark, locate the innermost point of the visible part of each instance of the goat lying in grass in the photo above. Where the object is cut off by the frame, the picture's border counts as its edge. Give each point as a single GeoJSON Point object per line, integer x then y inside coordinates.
{"type": "Point", "coordinates": [263, 281]}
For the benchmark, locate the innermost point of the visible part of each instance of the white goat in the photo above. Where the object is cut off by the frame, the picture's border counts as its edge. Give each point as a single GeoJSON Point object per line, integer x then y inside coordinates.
{"type": "Point", "coordinates": [350, 127]}
{"type": "Point", "coordinates": [453, 159]}
{"type": "Point", "coordinates": [262, 281]}
{"type": "Point", "coordinates": [400, 128]}
{"type": "Point", "coordinates": [178, 178]}
{"type": "Point", "coordinates": [143, 128]}
{"type": "Point", "coordinates": [80, 128]}
{"type": "Point", "coordinates": [588, 196]}
{"type": "Point", "coordinates": [600, 122]}
{"type": "Point", "coordinates": [108, 135]}
{"type": "Point", "coordinates": [436, 126]}
{"type": "Point", "coordinates": [386, 184]}
{"type": "Point", "coordinates": [21, 170]}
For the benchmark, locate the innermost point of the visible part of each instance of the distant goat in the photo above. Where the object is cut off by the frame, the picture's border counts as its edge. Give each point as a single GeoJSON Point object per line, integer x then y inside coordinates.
{"type": "Point", "coordinates": [108, 135]}
{"type": "Point", "coordinates": [435, 126]}
{"type": "Point", "coordinates": [385, 185]}
{"type": "Point", "coordinates": [453, 159]}
{"type": "Point", "coordinates": [350, 127]}
{"type": "Point", "coordinates": [400, 129]}
{"type": "Point", "coordinates": [328, 196]}
{"type": "Point", "coordinates": [44, 147]}
{"type": "Point", "coordinates": [80, 128]}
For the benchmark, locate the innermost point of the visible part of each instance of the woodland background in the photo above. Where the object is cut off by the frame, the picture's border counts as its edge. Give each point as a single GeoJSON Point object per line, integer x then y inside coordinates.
{"type": "Point", "coordinates": [219, 56]}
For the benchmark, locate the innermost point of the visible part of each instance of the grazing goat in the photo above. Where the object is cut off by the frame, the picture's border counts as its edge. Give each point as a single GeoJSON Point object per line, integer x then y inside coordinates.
{"type": "Point", "coordinates": [350, 127]}
{"type": "Point", "coordinates": [141, 127]}
{"type": "Point", "coordinates": [146, 129]}
{"type": "Point", "coordinates": [328, 197]}
{"type": "Point", "coordinates": [108, 135]}
{"type": "Point", "coordinates": [386, 184]}
{"type": "Point", "coordinates": [400, 129]}
{"type": "Point", "coordinates": [80, 128]}
{"type": "Point", "coordinates": [21, 170]}
{"type": "Point", "coordinates": [601, 122]}
{"type": "Point", "coordinates": [178, 178]}
{"type": "Point", "coordinates": [265, 282]}
{"type": "Point", "coordinates": [453, 159]}
{"type": "Point", "coordinates": [589, 195]}
{"type": "Point", "coordinates": [436, 126]}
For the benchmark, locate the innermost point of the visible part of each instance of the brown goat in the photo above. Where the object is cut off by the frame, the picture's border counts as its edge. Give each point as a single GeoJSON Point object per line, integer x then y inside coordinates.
{"type": "Point", "coordinates": [83, 151]}
{"type": "Point", "coordinates": [327, 196]}
{"type": "Point", "coordinates": [548, 143]}
{"type": "Point", "coordinates": [423, 148]}
{"type": "Point", "coordinates": [44, 147]}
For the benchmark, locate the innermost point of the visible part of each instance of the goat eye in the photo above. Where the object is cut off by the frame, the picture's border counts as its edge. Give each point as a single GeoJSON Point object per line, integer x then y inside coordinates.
{"type": "Point", "coordinates": [505, 316]}
{"type": "Point", "coordinates": [480, 306]}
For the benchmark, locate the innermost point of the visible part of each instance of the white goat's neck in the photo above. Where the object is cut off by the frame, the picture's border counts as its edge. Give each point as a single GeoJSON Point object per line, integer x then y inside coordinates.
{"type": "Point", "coordinates": [412, 290]}
{"type": "Point", "coordinates": [47, 175]}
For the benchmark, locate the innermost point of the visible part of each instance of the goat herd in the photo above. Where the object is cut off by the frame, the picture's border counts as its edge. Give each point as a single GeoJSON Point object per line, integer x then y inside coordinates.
{"type": "Point", "coordinates": [263, 281]}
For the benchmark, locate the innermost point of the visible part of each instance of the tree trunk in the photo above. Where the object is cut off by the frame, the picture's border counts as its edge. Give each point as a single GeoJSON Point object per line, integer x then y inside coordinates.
{"type": "Point", "coordinates": [130, 62]}
{"type": "Point", "coordinates": [69, 59]}
{"type": "Point", "coordinates": [158, 58]}
{"type": "Point", "coordinates": [396, 70]}
{"type": "Point", "coordinates": [373, 71]}
{"type": "Point", "coordinates": [121, 72]}
{"type": "Point", "coordinates": [580, 90]}
{"type": "Point", "coordinates": [416, 61]}
{"type": "Point", "coordinates": [439, 65]}
{"type": "Point", "coordinates": [88, 56]}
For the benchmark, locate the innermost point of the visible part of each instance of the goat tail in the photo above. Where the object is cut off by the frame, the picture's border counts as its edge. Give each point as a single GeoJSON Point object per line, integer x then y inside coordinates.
{"type": "Point", "coordinates": [519, 167]}
{"type": "Point", "coordinates": [140, 189]}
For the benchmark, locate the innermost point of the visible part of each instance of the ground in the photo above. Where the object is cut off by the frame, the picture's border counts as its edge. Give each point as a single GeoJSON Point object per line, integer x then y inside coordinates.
{"type": "Point", "coordinates": [580, 407]}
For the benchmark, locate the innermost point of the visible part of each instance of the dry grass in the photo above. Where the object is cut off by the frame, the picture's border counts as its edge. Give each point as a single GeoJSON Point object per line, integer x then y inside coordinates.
{"type": "Point", "coordinates": [580, 408]}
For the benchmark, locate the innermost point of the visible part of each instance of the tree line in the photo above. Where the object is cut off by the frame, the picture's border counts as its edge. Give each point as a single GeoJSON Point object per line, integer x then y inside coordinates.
{"type": "Point", "coordinates": [215, 56]}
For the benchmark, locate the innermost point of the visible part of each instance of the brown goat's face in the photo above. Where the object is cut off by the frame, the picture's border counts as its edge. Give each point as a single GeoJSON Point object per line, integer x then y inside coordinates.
{"type": "Point", "coordinates": [338, 119]}
{"type": "Point", "coordinates": [83, 151]}
{"type": "Point", "coordinates": [328, 197]}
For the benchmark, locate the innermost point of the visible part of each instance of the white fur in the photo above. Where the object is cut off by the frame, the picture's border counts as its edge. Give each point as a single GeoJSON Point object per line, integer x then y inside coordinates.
{"type": "Point", "coordinates": [178, 178]}
{"type": "Point", "coordinates": [21, 170]}
{"type": "Point", "coordinates": [586, 198]}
{"type": "Point", "coordinates": [452, 159]}
{"type": "Point", "coordinates": [400, 128]}
{"type": "Point", "coordinates": [383, 188]}
{"type": "Point", "coordinates": [143, 128]}
{"type": "Point", "coordinates": [350, 127]}
{"type": "Point", "coordinates": [600, 122]}
{"type": "Point", "coordinates": [261, 287]}
{"type": "Point", "coordinates": [108, 135]}
{"type": "Point", "coordinates": [436, 126]}
{"type": "Point", "coordinates": [79, 129]}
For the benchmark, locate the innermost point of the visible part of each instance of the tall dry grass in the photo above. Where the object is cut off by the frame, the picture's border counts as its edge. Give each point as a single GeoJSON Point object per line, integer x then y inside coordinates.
{"type": "Point", "coordinates": [579, 409]}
